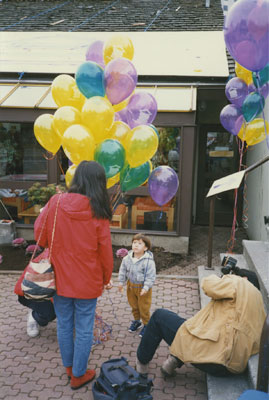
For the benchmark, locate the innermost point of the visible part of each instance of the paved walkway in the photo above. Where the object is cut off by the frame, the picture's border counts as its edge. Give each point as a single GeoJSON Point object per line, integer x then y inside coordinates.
{"type": "Point", "coordinates": [31, 368]}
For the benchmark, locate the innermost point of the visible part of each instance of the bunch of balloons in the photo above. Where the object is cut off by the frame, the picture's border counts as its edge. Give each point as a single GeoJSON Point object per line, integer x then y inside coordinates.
{"type": "Point", "coordinates": [246, 34]}
{"type": "Point", "coordinates": [100, 116]}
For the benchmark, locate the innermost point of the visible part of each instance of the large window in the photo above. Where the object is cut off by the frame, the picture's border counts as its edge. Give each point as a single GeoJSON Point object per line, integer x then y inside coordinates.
{"type": "Point", "coordinates": [22, 162]}
{"type": "Point", "coordinates": [21, 156]}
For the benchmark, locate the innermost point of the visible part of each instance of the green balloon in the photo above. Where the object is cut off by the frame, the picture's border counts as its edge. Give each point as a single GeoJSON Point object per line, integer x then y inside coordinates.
{"type": "Point", "coordinates": [131, 178]}
{"type": "Point", "coordinates": [111, 155]}
{"type": "Point", "coordinates": [263, 75]}
{"type": "Point", "coordinates": [252, 106]}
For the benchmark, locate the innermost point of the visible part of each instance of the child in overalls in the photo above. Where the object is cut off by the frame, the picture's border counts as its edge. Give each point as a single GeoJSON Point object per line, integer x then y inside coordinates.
{"type": "Point", "coordinates": [139, 271]}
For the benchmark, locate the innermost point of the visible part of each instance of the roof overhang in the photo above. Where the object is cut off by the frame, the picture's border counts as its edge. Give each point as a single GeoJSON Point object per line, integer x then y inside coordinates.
{"type": "Point", "coordinates": [171, 54]}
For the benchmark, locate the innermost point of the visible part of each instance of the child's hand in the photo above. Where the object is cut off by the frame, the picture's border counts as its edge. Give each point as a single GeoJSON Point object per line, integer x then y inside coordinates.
{"type": "Point", "coordinates": [109, 285]}
{"type": "Point", "coordinates": [143, 291]}
{"type": "Point", "coordinates": [120, 287]}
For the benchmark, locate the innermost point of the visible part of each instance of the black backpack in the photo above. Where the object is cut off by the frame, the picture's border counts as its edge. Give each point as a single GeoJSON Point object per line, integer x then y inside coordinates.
{"type": "Point", "coordinates": [119, 381]}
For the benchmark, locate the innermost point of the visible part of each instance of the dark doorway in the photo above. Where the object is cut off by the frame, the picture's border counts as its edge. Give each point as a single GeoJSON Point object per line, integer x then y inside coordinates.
{"type": "Point", "coordinates": [218, 157]}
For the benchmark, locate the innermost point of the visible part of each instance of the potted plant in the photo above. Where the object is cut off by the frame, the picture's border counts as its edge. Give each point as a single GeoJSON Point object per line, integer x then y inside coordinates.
{"type": "Point", "coordinates": [40, 195]}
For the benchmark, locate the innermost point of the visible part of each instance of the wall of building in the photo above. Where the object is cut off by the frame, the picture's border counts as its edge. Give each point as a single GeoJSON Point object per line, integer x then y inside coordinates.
{"type": "Point", "coordinates": [258, 189]}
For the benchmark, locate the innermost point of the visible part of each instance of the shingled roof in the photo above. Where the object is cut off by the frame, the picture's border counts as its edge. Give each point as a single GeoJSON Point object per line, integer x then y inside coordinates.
{"type": "Point", "coordinates": [108, 15]}
{"type": "Point", "coordinates": [112, 16]}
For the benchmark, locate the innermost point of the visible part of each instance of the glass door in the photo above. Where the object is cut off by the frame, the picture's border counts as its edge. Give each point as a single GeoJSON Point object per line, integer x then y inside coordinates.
{"type": "Point", "coordinates": [218, 157]}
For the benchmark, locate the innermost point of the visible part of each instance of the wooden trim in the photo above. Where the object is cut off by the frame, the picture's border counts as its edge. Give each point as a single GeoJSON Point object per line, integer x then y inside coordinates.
{"type": "Point", "coordinates": [186, 174]}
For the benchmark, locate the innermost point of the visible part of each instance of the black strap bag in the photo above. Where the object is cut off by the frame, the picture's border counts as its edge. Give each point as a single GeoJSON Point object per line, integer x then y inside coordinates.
{"type": "Point", "coordinates": [119, 381]}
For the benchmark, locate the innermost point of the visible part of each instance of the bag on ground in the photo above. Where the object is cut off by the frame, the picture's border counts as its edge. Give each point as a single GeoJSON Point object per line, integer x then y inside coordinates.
{"type": "Point", "coordinates": [119, 381]}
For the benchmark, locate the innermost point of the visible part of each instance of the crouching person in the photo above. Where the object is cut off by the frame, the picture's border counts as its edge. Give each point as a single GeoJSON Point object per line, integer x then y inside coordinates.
{"type": "Point", "coordinates": [220, 338]}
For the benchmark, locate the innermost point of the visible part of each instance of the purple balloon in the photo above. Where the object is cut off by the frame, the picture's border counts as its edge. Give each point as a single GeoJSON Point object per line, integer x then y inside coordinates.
{"type": "Point", "coordinates": [120, 80]}
{"type": "Point", "coordinates": [236, 91]}
{"type": "Point", "coordinates": [246, 33]}
{"type": "Point", "coordinates": [251, 88]}
{"type": "Point", "coordinates": [162, 184]}
{"type": "Point", "coordinates": [265, 90]}
{"type": "Point", "coordinates": [122, 115]}
{"type": "Point", "coordinates": [95, 53]}
{"type": "Point", "coordinates": [231, 118]}
{"type": "Point", "coordinates": [141, 109]}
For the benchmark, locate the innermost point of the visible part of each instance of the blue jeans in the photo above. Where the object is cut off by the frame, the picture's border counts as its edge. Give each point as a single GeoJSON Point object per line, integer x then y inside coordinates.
{"type": "Point", "coordinates": [43, 311]}
{"type": "Point", "coordinates": [75, 314]}
{"type": "Point", "coordinates": [164, 324]}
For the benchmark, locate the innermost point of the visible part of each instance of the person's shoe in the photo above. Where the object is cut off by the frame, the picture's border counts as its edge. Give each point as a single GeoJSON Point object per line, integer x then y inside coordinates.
{"type": "Point", "coordinates": [169, 366]}
{"type": "Point", "coordinates": [142, 369]}
{"type": "Point", "coordinates": [78, 382]}
{"type": "Point", "coordinates": [69, 372]}
{"type": "Point", "coordinates": [32, 325]}
{"type": "Point", "coordinates": [135, 325]}
{"type": "Point", "coordinates": [142, 331]}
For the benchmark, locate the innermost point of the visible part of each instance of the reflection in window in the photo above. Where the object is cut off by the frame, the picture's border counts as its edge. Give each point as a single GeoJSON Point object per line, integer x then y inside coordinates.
{"type": "Point", "coordinates": [169, 148]}
{"type": "Point", "coordinates": [141, 212]}
{"type": "Point", "coordinates": [21, 156]}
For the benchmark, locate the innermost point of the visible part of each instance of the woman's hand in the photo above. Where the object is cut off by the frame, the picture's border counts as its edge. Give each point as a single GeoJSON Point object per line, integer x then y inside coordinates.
{"type": "Point", "coordinates": [109, 285]}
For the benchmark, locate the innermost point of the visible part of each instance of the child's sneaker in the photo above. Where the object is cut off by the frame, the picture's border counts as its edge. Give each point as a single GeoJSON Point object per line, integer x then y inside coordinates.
{"type": "Point", "coordinates": [142, 331]}
{"type": "Point", "coordinates": [135, 325]}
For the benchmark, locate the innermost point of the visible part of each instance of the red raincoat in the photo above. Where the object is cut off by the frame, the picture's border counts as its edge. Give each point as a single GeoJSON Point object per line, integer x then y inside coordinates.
{"type": "Point", "coordinates": [82, 251]}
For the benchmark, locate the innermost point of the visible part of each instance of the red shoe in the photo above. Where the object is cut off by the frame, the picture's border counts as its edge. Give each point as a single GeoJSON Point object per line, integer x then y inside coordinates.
{"type": "Point", "coordinates": [69, 372]}
{"type": "Point", "coordinates": [77, 383]}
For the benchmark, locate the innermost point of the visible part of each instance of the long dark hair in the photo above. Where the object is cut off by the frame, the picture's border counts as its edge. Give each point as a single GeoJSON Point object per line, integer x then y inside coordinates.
{"type": "Point", "coordinates": [90, 180]}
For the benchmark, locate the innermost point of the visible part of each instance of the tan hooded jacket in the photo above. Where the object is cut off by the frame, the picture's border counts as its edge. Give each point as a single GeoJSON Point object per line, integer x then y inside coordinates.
{"type": "Point", "coordinates": [226, 331]}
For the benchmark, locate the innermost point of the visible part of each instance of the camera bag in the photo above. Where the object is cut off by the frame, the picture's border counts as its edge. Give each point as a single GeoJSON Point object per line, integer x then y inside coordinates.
{"type": "Point", "coordinates": [119, 381]}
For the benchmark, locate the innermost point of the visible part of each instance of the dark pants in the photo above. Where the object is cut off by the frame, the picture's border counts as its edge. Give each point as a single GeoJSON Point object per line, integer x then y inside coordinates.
{"type": "Point", "coordinates": [164, 324]}
{"type": "Point", "coordinates": [43, 311]}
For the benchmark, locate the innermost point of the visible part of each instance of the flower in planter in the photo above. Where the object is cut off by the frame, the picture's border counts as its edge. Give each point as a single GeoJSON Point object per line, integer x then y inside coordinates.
{"type": "Point", "coordinates": [38, 194]}
{"type": "Point", "coordinates": [33, 248]}
{"type": "Point", "coordinates": [19, 242]}
{"type": "Point", "coordinates": [121, 252]}
{"type": "Point", "coordinates": [1, 259]}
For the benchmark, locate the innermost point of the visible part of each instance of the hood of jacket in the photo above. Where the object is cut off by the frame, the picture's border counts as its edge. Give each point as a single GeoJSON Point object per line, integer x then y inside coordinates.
{"type": "Point", "coordinates": [76, 206]}
{"type": "Point", "coordinates": [147, 254]}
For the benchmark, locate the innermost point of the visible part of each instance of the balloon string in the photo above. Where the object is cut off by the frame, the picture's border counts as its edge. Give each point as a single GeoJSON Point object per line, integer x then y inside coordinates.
{"type": "Point", "coordinates": [115, 194]}
{"type": "Point", "coordinates": [60, 166]}
{"type": "Point", "coordinates": [263, 115]}
{"type": "Point", "coordinates": [231, 241]}
{"type": "Point", "coordinates": [49, 157]}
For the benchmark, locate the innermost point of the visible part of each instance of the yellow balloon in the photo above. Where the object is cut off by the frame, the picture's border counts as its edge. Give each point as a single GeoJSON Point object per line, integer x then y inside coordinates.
{"type": "Point", "coordinates": [243, 73]}
{"type": "Point", "coordinates": [141, 144]}
{"type": "Point", "coordinates": [120, 131]}
{"type": "Point", "coordinates": [98, 115]}
{"type": "Point", "coordinates": [78, 143]}
{"type": "Point", "coordinates": [118, 46]}
{"type": "Point", "coordinates": [65, 117]}
{"type": "Point", "coordinates": [112, 181]}
{"type": "Point", "coordinates": [254, 132]}
{"type": "Point", "coordinates": [45, 134]}
{"type": "Point", "coordinates": [65, 92]}
{"type": "Point", "coordinates": [69, 175]}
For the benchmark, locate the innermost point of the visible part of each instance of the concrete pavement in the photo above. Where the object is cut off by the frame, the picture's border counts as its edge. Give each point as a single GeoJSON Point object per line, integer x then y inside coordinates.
{"type": "Point", "coordinates": [31, 368]}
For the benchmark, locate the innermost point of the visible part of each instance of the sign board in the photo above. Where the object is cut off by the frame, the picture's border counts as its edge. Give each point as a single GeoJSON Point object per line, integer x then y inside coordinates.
{"type": "Point", "coordinates": [229, 182]}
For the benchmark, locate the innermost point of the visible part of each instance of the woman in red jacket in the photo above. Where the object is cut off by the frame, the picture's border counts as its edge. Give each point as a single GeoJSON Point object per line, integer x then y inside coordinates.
{"type": "Point", "coordinates": [83, 262]}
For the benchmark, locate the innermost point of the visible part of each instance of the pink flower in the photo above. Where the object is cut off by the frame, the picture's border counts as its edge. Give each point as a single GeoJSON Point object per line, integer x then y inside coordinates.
{"type": "Point", "coordinates": [19, 242]}
{"type": "Point", "coordinates": [31, 248]}
{"type": "Point", "coordinates": [121, 252]}
{"type": "Point", "coordinates": [1, 259]}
